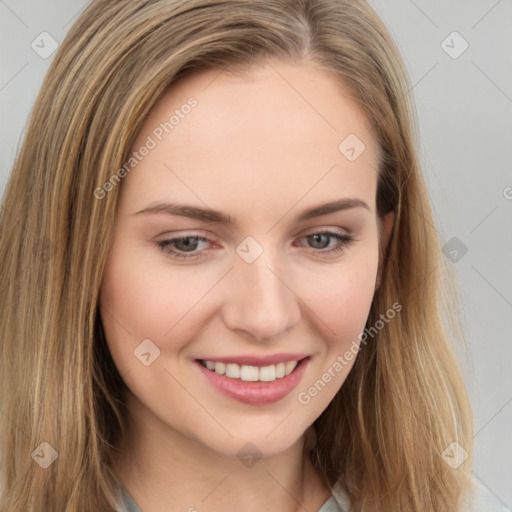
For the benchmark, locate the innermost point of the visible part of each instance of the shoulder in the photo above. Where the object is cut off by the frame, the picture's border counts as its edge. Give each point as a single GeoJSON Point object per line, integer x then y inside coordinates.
{"type": "Point", "coordinates": [127, 503]}
{"type": "Point", "coordinates": [341, 498]}
{"type": "Point", "coordinates": [480, 500]}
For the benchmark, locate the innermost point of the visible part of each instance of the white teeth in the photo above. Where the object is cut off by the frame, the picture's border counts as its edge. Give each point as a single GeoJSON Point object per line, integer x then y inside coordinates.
{"type": "Point", "coordinates": [268, 373]}
{"type": "Point", "coordinates": [252, 373]}
{"type": "Point", "coordinates": [290, 366]}
{"type": "Point", "coordinates": [249, 373]}
{"type": "Point", "coordinates": [233, 371]}
{"type": "Point", "coordinates": [220, 368]}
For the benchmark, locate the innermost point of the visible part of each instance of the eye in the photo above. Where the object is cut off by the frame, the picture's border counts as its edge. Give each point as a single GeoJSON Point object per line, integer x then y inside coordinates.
{"type": "Point", "coordinates": [191, 246]}
{"type": "Point", "coordinates": [182, 247]}
{"type": "Point", "coordinates": [327, 242]}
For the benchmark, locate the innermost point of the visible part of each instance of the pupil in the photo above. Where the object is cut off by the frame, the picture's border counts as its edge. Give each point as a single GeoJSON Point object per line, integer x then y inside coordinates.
{"type": "Point", "coordinates": [184, 244]}
{"type": "Point", "coordinates": [318, 239]}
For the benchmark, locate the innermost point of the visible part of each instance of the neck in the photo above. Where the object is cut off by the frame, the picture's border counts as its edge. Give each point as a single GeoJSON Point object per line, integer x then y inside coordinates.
{"type": "Point", "coordinates": [160, 466]}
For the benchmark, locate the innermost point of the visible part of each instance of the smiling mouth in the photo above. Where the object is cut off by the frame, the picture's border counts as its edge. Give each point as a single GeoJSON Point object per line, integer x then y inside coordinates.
{"type": "Point", "coordinates": [248, 373]}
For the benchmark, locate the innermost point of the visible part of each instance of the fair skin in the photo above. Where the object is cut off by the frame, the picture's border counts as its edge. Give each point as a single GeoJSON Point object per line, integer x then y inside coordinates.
{"type": "Point", "coordinates": [261, 147]}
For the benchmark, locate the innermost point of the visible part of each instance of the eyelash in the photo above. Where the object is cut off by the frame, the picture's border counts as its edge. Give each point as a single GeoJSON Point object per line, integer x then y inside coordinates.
{"type": "Point", "coordinates": [344, 241]}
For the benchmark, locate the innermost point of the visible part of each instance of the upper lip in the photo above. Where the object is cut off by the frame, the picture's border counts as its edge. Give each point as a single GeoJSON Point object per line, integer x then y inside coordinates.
{"type": "Point", "coordinates": [256, 360]}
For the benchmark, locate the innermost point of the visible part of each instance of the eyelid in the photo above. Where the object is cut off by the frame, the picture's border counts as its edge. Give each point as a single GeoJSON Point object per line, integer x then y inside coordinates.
{"type": "Point", "coordinates": [344, 240]}
{"type": "Point", "coordinates": [186, 233]}
{"type": "Point", "coordinates": [325, 228]}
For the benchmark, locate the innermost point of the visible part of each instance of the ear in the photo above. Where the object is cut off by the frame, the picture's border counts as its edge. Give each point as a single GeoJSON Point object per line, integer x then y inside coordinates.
{"type": "Point", "coordinates": [386, 226]}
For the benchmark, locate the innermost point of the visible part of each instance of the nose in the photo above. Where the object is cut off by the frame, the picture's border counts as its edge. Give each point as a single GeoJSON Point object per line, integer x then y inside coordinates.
{"type": "Point", "coordinates": [261, 303]}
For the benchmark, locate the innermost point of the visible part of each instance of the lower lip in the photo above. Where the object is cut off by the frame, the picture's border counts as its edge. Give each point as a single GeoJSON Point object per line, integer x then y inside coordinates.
{"type": "Point", "coordinates": [256, 393]}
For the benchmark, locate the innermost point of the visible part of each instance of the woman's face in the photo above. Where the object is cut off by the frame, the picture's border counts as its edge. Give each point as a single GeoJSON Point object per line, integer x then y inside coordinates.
{"type": "Point", "coordinates": [246, 236]}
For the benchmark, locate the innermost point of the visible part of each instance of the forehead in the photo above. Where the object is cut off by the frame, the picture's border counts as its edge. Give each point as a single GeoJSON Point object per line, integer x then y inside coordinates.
{"type": "Point", "coordinates": [271, 133]}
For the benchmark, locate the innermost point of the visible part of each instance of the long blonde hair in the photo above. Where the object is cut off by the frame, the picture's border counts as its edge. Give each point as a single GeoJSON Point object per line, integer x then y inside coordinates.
{"type": "Point", "coordinates": [404, 401]}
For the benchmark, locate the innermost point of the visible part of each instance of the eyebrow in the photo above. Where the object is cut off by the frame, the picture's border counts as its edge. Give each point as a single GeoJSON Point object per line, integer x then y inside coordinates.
{"type": "Point", "coordinates": [207, 214]}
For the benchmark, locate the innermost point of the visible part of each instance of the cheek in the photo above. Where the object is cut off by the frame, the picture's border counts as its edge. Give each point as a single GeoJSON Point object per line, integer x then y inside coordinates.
{"type": "Point", "coordinates": [341, 302]}
{"type": "Point", "coordinates": [347, 302]}
{"type": "Point", "coordinates": [341, 297]}
{"type": "Point", "coordinates": [141, 301]}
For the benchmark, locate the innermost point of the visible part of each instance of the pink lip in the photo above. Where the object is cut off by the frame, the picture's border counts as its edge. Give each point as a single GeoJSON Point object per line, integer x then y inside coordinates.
{"type": "Point", "coordinates": [255, 393]}
{"type": "Point", "coordinates": [255, 360]}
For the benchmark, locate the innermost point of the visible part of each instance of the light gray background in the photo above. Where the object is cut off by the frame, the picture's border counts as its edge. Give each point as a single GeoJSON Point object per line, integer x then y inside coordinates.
{"type": "Point", "coordinates": [465, 114]}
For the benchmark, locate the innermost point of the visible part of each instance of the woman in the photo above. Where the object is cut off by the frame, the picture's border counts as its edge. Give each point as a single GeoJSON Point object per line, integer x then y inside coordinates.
{"type": "Point", "coordinates": [220, 272]}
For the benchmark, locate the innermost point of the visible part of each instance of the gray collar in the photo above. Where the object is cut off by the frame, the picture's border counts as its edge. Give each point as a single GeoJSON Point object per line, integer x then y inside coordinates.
{"type": "Point", "coordinates": [129, 505]}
